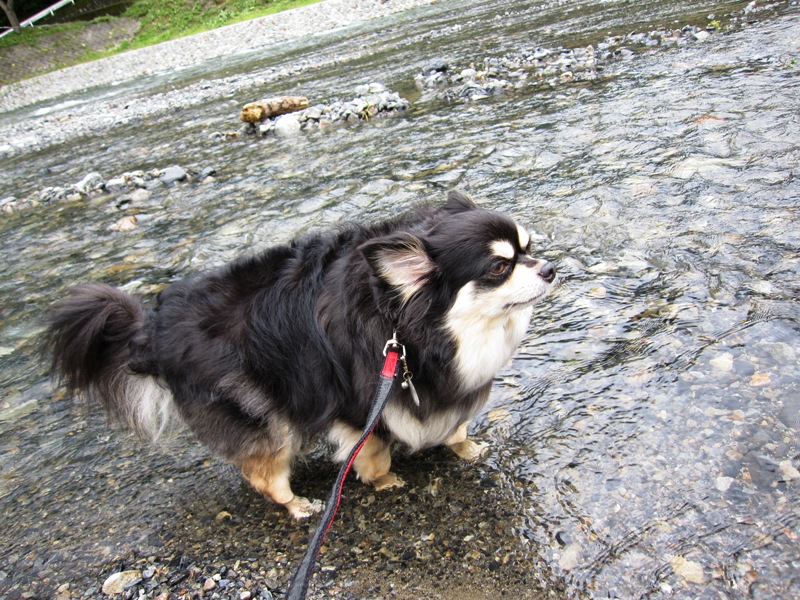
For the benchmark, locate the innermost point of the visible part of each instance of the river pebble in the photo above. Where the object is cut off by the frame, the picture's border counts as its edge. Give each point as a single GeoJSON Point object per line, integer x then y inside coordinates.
{"type": "Point", "coordinates": [788, 470]}
{"type": "Point", "coordinates": [170, 175]}
{"type": "Point", "coordinates": [127, 223]}
{"type": "Point", "coordinates": [689, 570]}
{"type": "Point", "coordinates": [119, 582]}
{"type": "Point", "coordinates": [547, 67]}
{"type": "Point", "coordinates": [284, 126]}
{"type": "Point", "coordinates": [131, 188]}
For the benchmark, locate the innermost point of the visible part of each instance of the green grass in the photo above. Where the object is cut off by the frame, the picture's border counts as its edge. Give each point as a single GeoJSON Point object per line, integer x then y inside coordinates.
{"type": "Point", "coordinates": [163, 20]}
{"type": "Point", "coordinates": [30, 36]}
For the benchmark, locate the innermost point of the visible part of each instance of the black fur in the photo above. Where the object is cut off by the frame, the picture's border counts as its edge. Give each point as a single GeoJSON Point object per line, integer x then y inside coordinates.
{"type": "Point", "coordinates": [292, 335]}
{"type": "Point", "coordinates": [89, 337]}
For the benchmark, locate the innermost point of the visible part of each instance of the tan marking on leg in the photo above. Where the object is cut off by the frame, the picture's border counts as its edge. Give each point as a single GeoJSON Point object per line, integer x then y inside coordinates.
{"type": "Point", "coordinates": [373, 461]}
{"type": "Point", "coordinates": [464, 447]}
{"type": "Point", "coordinates": [269, 475]}
{"type": "Point", "coordinates": [459, 435]}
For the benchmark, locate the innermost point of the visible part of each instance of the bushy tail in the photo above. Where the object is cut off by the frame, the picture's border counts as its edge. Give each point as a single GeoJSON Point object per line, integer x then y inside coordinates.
{"type": "Point", "coordinates": [94, 336]}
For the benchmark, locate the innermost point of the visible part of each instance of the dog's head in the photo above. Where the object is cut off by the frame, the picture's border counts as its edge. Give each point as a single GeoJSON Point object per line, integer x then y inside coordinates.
{"type": "Point", "coordinates": [471, 272]}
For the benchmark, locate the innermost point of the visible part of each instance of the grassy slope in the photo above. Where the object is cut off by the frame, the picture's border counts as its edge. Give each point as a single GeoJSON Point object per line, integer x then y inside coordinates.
{"type": "Point", "coordinates": [47, 48]}
{"type": "Point", "coordinates": [162, 20]}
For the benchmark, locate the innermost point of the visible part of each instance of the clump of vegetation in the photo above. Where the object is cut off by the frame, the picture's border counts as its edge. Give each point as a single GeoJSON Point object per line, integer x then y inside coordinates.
{"type": "Point", "coordinates": [30, 36]}
{"type": "Point", "coordinates": [162, 20]}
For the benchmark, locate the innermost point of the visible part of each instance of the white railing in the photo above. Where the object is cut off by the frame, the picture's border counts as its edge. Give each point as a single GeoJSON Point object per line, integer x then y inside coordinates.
{"type": "Point", "coordinates": [50, 10]}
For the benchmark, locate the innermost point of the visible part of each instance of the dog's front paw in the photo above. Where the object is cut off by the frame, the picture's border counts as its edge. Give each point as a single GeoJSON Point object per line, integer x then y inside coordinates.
{"type": "Point", "coordinates": [469, 450]}
{"type": "Point", "coordinates": [388, 481]}
{"type": "Point", "coordinates": [302, 508]}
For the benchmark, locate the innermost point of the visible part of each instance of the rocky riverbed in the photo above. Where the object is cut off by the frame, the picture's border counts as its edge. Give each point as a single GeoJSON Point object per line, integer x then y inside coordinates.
{"type": "Point", "coordinates": [49, 125]}
{"type": "Point", "coordinates": [438, 80]}
{"type": "Point", "coordinates": [644, 440]}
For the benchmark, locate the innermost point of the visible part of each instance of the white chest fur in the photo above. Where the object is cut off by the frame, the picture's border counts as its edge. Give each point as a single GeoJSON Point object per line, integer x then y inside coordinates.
{"type": "Point", "coordinates": [416, 434]}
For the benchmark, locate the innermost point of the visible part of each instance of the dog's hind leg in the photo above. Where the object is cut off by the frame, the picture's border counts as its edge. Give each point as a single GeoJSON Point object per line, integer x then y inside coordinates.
{"type": "Point", "coordinates": [465, 447]}
{"type": "Point", "coordinates": [269, 474]}
{"type": "Point", "coordinates": [373, 461]}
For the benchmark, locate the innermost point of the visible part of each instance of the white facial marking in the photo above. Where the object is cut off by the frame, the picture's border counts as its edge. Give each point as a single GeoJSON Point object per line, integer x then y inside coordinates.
{"type": "Point", "coordinates": [486, 333]}
{"type": "Point", "coordinates": [489, 323]}
{"type": "Point", "coordinates": [503, 249]}
{"type": "Point", "coordinates": [523, 287]}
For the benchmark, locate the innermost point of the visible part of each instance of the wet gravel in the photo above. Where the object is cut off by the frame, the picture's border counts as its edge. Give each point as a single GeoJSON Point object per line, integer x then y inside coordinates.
{"type": "Point", "coordinates": [448, 534]}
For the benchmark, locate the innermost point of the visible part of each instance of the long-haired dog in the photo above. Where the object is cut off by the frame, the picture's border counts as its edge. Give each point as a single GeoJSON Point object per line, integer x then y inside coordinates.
{"type": "Point", "coordinates": [272, 350]}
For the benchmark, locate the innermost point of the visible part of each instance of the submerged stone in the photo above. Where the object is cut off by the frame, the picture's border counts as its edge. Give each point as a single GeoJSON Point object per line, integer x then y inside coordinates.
{"type": "Point", "coordinates": [117, 582]}
{"type": "Point", "coordinates": [172, 175]}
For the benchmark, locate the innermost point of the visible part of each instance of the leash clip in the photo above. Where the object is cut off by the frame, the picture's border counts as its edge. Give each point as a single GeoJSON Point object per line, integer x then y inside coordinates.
{"type": "Point", "coordinates": [407, 374]}
{"type": "Point", "coordinates": [398, 347]}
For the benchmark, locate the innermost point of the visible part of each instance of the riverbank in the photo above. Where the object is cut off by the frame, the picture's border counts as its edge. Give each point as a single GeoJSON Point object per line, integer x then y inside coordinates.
{"type": "Point", "coordinates": [186, 52]}
{"type": "Point", "coordinates": [91, 116]}
{"type": "Point", "coordinates": [55, 48]}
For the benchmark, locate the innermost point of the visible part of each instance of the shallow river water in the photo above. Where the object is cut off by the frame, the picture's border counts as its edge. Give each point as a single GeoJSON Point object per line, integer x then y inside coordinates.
{"type": "Point", "coordinates": [644, 440]}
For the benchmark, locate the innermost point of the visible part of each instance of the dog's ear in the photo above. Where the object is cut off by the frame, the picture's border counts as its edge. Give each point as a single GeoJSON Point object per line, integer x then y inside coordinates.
{"type": "Point", "coordinates": [458, 202]}
{"type": "Point", "coordinates": [401, 261]}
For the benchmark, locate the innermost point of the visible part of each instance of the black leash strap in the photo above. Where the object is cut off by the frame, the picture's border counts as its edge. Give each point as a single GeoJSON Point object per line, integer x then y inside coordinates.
{"type": "Point", "coordinates": [394, 353]}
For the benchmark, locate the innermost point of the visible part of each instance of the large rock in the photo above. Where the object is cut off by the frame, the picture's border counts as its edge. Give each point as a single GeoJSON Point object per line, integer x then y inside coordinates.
{"type": "Point", "coordinates": [287, 126]}
{"type": "Point", "coordinates": [172, 175]}
{"type": "Point", "coordinates": [90, 183]}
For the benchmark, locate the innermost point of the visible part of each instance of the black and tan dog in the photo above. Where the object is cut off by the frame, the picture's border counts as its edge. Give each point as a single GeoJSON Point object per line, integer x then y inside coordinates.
{"type": "Point", "coordinates": [272, 350]}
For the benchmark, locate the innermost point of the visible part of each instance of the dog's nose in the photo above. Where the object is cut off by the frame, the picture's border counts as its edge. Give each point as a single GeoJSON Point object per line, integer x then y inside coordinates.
{"type": "Point", "coordinates": [547, 272]}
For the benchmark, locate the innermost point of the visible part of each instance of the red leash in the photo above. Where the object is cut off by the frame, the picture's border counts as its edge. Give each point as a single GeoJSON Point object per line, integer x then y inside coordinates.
{"type": "Point", "coordinates": [394, 353]}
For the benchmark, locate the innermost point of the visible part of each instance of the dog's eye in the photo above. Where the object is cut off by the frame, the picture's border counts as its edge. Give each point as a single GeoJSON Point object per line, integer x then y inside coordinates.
{"type": "Point", "coordinates": [501, 267]}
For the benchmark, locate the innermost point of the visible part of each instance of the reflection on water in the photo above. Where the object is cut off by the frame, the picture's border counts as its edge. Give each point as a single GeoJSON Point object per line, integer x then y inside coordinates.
{"type": "Point", "coordinates": [648, 428]}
